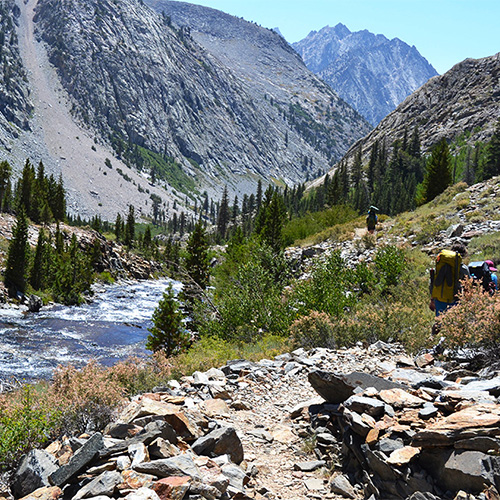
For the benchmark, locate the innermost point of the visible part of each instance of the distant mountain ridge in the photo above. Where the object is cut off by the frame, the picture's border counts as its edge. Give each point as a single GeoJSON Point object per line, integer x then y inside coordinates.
{"type": "Point", "coordinates": [465, 101]}
{"type": "Point", "coordinates": [197, 98]}
{"type": "Point", "coordinates": [370, 72]}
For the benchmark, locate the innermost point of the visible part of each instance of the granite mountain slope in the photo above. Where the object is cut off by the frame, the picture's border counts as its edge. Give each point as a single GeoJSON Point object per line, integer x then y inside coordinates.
{"type": "Point", "coordinates": [370, 72]}
{"type": "Point", "coordinates": [92, 88]}
{"type": "Point", "coordinates": [273, 77]}
{"type": "Point", "coordinates": [462, 102]}
{"type": "Point", "coordinates": [140, 82]}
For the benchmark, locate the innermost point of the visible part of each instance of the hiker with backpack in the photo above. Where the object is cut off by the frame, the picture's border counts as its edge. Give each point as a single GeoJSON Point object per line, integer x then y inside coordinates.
{"type": "Point", "coordinates": [482, 273]}
{"type": "Point", "coordinates": [494, 277]}
{"type": "Point", "coordinates": [445, 279]}
{"type": "Point", "coordinates": [371, 219]}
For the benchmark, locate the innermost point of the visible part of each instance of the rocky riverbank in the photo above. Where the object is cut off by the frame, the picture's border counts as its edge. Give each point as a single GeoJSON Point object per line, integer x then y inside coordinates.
{"type": "Point", "coordinates": [115, 258]}
{"type": "Point", "coordinates": [362, 423]}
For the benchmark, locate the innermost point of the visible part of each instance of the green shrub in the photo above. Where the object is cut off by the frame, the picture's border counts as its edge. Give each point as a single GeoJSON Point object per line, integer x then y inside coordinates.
{"type": "Point", "coordinates": [328, 290]}
{"type": "Point", "coordinates": [314, 330]}
{"type": "Point", "coordinates": [251, 305]}
{"type": "Point", "coordinates": [389, 265]}
{"type": "Point", "coordinates": [23, 425]}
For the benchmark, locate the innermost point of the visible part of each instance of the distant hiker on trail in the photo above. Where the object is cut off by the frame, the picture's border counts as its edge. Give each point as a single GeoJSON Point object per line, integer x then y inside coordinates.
{"type": "Point", "coordinates": [445, 279]}
{"type": "Point", "coordinates": [371, 219]}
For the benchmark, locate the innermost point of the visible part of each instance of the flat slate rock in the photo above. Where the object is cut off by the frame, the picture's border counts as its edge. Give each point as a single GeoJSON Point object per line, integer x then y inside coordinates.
{"type": "Point", "coordinates": [78, 461]}
{"type": "Point", "coordinates": [33, 473]}
{"type": "Point", "coordinates": [337, 387]}
{"type": "Point", "coordinates": [309, 466]}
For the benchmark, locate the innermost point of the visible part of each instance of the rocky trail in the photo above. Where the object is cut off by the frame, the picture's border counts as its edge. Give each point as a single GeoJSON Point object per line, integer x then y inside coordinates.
{"type": "Point", "coordinates": [361, 423]}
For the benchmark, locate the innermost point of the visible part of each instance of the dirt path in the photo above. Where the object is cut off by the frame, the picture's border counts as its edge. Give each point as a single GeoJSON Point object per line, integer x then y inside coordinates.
{"type": "Point", "coordinates": [274, 440]}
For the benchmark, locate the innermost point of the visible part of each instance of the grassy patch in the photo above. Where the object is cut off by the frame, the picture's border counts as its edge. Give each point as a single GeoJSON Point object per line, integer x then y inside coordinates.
{"type": "Point", "coordinates": [166, 168]}
{"type": "Point", "coordinates": [313, 223]}
{"type": "Point", "coordinates": [485, 247]}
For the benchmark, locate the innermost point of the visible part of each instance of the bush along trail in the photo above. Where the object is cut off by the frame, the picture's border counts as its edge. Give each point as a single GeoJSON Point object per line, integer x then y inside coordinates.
{"type": "Point", "coordinates": [361, 423]}
{"type": "Point", "coordinates": [365, 422]}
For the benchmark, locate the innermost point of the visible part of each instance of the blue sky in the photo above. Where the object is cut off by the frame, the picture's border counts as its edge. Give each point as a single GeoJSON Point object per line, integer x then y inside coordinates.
{"type": "Point", "coordinates": [445, 32]}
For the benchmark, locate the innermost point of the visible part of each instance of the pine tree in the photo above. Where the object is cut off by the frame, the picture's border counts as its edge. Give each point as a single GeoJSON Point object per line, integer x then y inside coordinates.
{"type": "Point", "coordinates": [492, 165]}
{"type": "Point", "coordinates": [5, 173]}
{"type": "Point", "coordinates": [223, 215]}
{"type": "Point", "coordinates": [17, 256]}
{"type": "Point", "coordinates": [258, 198]}
{"type": "Point", "coordinates": [24, 189]}
{"type": "Point", "coordinates": [147, 240]}
{"type": "Point", "coordinates": [168, 333]}
{"type": "Point", "coordinates": [196, 263]}
{"type": "Point", "coordinates": [118, 227]}
{"type": "Point", "coordinates": [414, 147]}
{"type": "Point", "coordinates": [438, 174]}
{"type": "Point", "coordinates": [129, 236]}
{"type": "Point", "coordinates": [37, 268]}
{"type": "Point", "coordinates": [271, 219]}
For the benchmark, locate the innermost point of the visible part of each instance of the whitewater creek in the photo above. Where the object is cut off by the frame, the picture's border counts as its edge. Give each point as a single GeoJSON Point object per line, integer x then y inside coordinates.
{"type": "Point", "coordinates": [110, 328]}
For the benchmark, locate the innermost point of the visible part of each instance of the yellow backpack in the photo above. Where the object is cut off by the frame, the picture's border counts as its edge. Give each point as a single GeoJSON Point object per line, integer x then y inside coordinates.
{"type": "Point", "coordinates": [446, 277]}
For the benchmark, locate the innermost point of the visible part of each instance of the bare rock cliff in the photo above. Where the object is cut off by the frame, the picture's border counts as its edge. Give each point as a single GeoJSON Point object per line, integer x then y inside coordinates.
{"type": "Point", "coordinates": [370, 72]}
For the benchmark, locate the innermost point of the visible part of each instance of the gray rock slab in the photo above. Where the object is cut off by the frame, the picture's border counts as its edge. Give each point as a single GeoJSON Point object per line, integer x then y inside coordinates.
{"type": "Point", "coordinates": [262, 434]}
{"type": "Point", "coordinates": [337, 387]}
{"type": "Point", "coordinates": [428, 411]}
{"type": "Point", "coordinates": [152, 431]}
{"type": "Point", "coordinates": [461, 469]}
{"type": "Point", "coordinates": [484, 444]}
{"type": "Point", "coordinates": [236, 475]}
{"type": "Point", "coordinates": [33, 473]}
{"type": "Point", "coordinates": [378, 464]}
{"type": "Point", "coordinates": [84, 456]}
{"type": "Point", "coordinates": [220, 442]}
{"type": "Point", "coordinates": [309, 466]}
{"type": "Point", "coordinates": [409, 376]}
{"type": "Point", "coordinates": [388, 445]}
{"type": "Point", "coordinates": [356, 423]}
{"type": "Point", "coordinates": [207, 491]}
{"type": "Point", "coordinates": [492, 386]}
{"type": "Point", "coordinates": [341, 485]}
{"type": "Point", "coordinates": [104, 485]}
{"type": "Point", "coordinates": [121, 431]}
{"type": "Point", "coordinates": [182, 465]}
{"type": "Point", "coordinates": [370, 406]}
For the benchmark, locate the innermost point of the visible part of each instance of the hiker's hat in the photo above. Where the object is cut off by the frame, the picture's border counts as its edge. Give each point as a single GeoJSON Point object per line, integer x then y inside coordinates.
{"type": "Point", "coordinates": [491, 265]}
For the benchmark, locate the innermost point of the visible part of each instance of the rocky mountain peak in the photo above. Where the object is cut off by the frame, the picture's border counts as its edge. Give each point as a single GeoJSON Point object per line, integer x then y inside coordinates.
{"type": "Point", "coordinates": [341, 30]}
{"type": "Point", "coordinates": [370, 72]}
{"type": "Point", "coordinates": [462, 101]}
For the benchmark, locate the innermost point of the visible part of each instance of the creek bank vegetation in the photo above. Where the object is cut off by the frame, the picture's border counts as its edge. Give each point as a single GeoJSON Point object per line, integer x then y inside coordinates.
{"type": "Point", "coordinates": [260, 301]}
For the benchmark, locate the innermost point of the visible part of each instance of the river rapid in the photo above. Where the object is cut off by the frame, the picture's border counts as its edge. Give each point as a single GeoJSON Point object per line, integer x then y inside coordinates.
{"type": "Point", "coordinates": [111, 328]}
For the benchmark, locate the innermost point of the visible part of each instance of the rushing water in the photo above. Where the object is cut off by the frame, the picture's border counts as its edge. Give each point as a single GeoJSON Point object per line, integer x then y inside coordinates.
{"type": "Point", "coordinates": [109, 329]}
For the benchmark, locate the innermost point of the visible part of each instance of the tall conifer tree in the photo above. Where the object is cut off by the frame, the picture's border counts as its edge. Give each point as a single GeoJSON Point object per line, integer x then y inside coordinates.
{"type": "Point", "coordinates": [17, 256]}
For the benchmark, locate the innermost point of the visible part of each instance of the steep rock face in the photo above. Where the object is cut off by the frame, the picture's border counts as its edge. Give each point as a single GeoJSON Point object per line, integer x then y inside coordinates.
{"type": "Point", "coordinates": [15, 104]}
{"type": "Point", "coordinates": [142, 83]}
{"type": "Point", "coordinates": [465, 100]}
{"type": "Point", "coordinates": [273, 76]}
{"type": "Point", "coordinates": [370, 72]}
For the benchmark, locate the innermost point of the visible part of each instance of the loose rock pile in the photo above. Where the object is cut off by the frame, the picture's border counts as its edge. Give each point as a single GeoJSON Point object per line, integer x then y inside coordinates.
{"type": "Point", "coordinates": [386, 426]}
